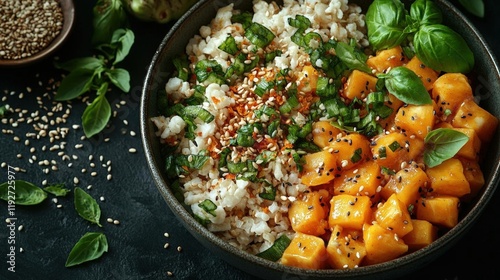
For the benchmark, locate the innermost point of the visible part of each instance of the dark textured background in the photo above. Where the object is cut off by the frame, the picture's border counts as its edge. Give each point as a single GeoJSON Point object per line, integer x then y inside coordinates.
{"type": "Point", "coordinates": [136, 246]}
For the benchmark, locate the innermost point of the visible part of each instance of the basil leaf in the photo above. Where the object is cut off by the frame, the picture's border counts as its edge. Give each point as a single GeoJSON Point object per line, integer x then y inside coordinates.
{"type": "Point", "coordinates": [90, 63]}
{"type": "Point", "coordinates": [109, 15]}
{"type": "Point", "coordinates": [442, 144]}
{"type": "Point", "coordinates": [386, 21]}
{"type": "Point", "coordinates": [76, 83]}
{"type": "Point", "coordinates": [91, 246]}
{"type": "Point", "coordinates": [21, 192]}
{"type": "Point", "coordinates": [475, 7]}
{"type": "Point", "coordinates": [57, 190]}
{"type": "Point", "coordinates": [275, 252]}
{"type": "Point", "coordinates": [353, 58]}
{"type": "Point", "coordinates": [425, 12]}
{"type": "Point", "coordinates": [87, 206]}
{"type": "Point", "coordinates": [442, 49]}
{"type": "Point", "coordinates": [120, 78]}
{"type": "Point", "coordinates": [123, 39]}
{"type": "Point", "coordinates": [406, 86]}
{"type": "Point", "coordinates": [96, 115]}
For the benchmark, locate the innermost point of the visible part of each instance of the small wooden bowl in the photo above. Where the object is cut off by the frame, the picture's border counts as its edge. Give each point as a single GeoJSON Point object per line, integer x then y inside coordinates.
{"type": "Point", "coordinates": [68, 10]}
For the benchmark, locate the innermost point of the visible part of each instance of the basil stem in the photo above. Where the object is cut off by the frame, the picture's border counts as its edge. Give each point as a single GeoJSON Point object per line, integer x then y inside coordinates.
{"type": "Point", "coordinates": [404, 84]}
{"type": "Point", "coordinates": [386, 22]}
{"type": "Point", "coordinates": [442, 49]}
{"type": "Point", "coordinates": [21, 192]}
{"type": "Point", "coordinates": [86, 206]}
{"type": "Point", "coordinates": [91, 246]}
{"type": "Point", "coordinates": [442, 144]}
{"type": "Point", "coordinates": [275, 252]}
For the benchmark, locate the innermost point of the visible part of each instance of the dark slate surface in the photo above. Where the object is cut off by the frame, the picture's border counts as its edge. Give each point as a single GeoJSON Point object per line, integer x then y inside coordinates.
{"type": "Point", "coordinates": [136, 246]}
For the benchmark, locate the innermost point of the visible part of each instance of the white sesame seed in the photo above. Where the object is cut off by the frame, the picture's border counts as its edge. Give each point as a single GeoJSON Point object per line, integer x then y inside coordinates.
{"type": "Point", "coordinates": [59, 206]}
{"type": "Point", "coordinates": [132, 133]}
{"type": "Point", "coordinates": [78, 146]}
{"type": "Point", "coordinates": [93, 174]}
{"type": "Point", "coordinates": [19, 156]}
{"type": "Point", "coordinates": [109, 220]}
{"type": "Point", "coordinates": [101, 198]}
{"type": "Point", "coordinates": [76, 126]}
{"type": "Point", "coordinates": [21, 249]}
{"type": "Point", "coordinates": [44, 182]}
{"type": "Point", "coordinates": [17, 139]}
{"type": "Point", "coordinates": [166, 234]}
{"type": "Point", "coordinates": [27, 142]}
{"type": "Point", "coordinates": [91, 157]}
{"type": "Point", "coordinates": [70, 164]}
{"type": "Point", "coordinates": [132, 150]}
{"type": "Point", "coordinates": [101, 158]}
{"type": "Point", "coordinates": [166, 245]}
{"type": "Point", "coordinates": [179, 248]}
{"type": "Point", "coordinates": [92, 164]}
{"type": "Point", "coordinates": [109, 177]}
{"type": "Point", "coordinates": [89, 187]}
{"type": "Point", "coordinates": [116, 222]}
{"type": "Point", "coordinates": [4, 164]}
{"type": "Point", "coordinates": [8, 221]}
{"type": "Point", "coordinates": [20, 228]}
{"type": "Point", "coordinates": [32, 150]}
{"type": "Point", "coordinates": [125, 122]}
{"type": "Point", "coordinates": [54, 200]}
{"type": "Point", "coordinates": [75, 180]}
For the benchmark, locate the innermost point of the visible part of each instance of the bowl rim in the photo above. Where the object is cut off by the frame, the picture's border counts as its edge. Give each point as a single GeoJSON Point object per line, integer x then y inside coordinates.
{"type": "Point", "coordinates": [409, 262]}
{"type": "Point", "coordinates": [68, 10]}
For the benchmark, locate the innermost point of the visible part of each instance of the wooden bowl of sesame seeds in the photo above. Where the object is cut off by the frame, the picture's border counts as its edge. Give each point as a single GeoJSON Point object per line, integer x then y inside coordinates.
{"type": "Point", "coordinates": [31, 30]}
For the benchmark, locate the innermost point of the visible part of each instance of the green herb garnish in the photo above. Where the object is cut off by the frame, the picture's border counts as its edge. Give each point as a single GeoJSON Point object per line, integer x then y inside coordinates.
{"type": "Point", "coordinates": [22, 192]}
{"type": "Point", "coordinates": [57, 190]}
{"type": "Point", "coordinates": [442, 144]}
{"type": "Point", "coordinates": [275, 252]}
{"type": "Point", "coordinates": [86, 206]}
{"type": "Point", "coordinates": [91, 246]}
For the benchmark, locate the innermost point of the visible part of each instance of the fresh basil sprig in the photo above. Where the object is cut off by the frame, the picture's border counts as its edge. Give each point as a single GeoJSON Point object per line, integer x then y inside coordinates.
{"type": "Point", "coordinates": [86, 206]}
{"type": "Point", "coordinates": [352, 57]}
{"type": "Point", "coordinates": [405, 85]}
{"type": "Point", "coordinates": [22, 192]}
{"type": "Point", "coordinates": [113, 41]}
{"type": "Point", "coordinates": [475, 7]}
{"type": "Point", "coordinates": [436, 45]}
{"type": "Point", "coordinates": [442, 144]}
{"type": "Point", "coordinates": [91, 246]}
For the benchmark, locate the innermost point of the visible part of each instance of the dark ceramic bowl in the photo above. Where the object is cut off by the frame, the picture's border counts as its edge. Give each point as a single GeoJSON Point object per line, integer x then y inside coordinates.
{"type": "Point", "coordinates": [68, 10]}
{"type": "Point", "coordinates": [486, 79]}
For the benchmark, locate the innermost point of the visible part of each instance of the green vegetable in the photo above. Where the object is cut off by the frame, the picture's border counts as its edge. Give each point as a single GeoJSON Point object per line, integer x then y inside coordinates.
{"type": "Point", "coordinates": [21, 192]}
{"type": "Point", "coordinates": [357, 155]}
{"type": "Point", "coordinates": [475, 7]}
{"type": "Point", "coordinates": [406, 86]}
{"type": "Point", "coordinates": [436, 45]}
{"type": "Point", "coordinates": [245, 19]}
{"type": "Point", "coordinates": [181, 64]}
{"type": "Point", "coordinates": [161, 11]}
{"type": "Point", "coordinates": [91, 246]}
{"type": "Point", "coordinates": [86, 206]}
{"type": "Point", "coordinates": [229, 45]}
{"type": "Point", "coordinates": [442, 144]}
{"type": "Point", "coordinates": [97, 114]}
{"type": "Point", "coordinates": [113, 41]}
{"type": "Point", "coordinates": [208, 206]}
{"type": "Point", "coordinates": [275, 252]}
{"type": "Point", "coordinates": [57, 190]}
{"type": "Point", "coordinates": [425, 12]}
{"type": "Point", "coordinates": [4, 110]}
{"type": "Point", "coordinates": [109, 15]}
{"type": "Point", "coordinates": [268, 193]}
{"type": "Point", "coordinates": [442, 49]}
{"type": "Point", "coordinates": [386, 23]}
{"type": "Point", "coordinates": [176, 165]}
{"type": "Point", "coordinates": [352, 57]}
{"type": "Point", "coordinates": [259, 35]}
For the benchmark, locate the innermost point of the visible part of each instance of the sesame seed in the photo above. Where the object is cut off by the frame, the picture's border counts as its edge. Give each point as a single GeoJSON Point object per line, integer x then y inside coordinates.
{"type": "Point", "coordinates": [166, 245]}
{"type": "Point", "coordinates": [169, 273]}
{"type": "Point", "coordinates": [116, 222]}
{"type": "Point", "coordinates": [54, 200]}
{"type": "Point", "coordinates": [59, 206]}
{"type": "Point", "coordinates": [179, 248]}
{"type": "Point", "coordinates": [109, 177]}
{"type": "Point", "coordinates": [109, 220]}
{"type": "Point", "coordinates": [93, 174]}
{"type": "Point", "coordinates": [20, 228]}
{"type": "Point", "coordinates": [166, 234]}
{"type": "Point", "coordinates": [75, 180]}
{"type": "Point", "coordinates": [21, 249]}
{"type": "Point", "coordinates": [132, 133]}
{"type": "Point", "coordinates": [89, 187]}
{"type": "Point", "coordinates": [132, 150]}
{"type": "Point", "coordinates": [101, 198]}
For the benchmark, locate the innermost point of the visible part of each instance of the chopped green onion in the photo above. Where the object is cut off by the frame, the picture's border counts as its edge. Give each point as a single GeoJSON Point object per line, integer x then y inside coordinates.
{"type": "Point", "coordinates": [208, 206]}
{"type": "Point", "coordinates": [229, 45]}
{"type": "Point", "coordinates": [382, 153]}
{"type": "Point", "coordinates": [387, 171]}
{"type": "Point", "coordinates": [300, 22]}
{"type": "Point", "coordinates": [265, 157]}
{"type": "Point", "coordinates": [272, 55]}
{"type": "Point", "coordinates": [198, 96]}
{"type": "Point", "coordinates": [275, 252]}
{"type": "Point", "coordinates": [259, 35]}
{"type": "Point", "coordinates": [181, 65]}
{"type": "Point", "coordinates": [194, 111]}
{"type": "Point", "coordinates": [269, 193]}
{"type": "Point", "coordinates": [394, 146]}
{"type": "Point", "coordinates": [299, 161]}
{"type": "Point", "coordinates": [204, 68]}
{"type": "Point", "coordinates": [263, 87]}
{"type": "Point", "coordinates": [244, 18]}
{"type": "Point", "coordinates": [357, 155]}
{"type": "Point", "coordinates": [178, 164]}
{"type": "Point", "coordinates": [326, 89]}
{"type": "Point", "coordinates": [272, 128]}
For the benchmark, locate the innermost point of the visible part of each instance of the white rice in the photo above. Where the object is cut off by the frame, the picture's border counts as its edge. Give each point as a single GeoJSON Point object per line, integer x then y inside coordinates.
{"type": "Point", "coordinates": [243, 218]}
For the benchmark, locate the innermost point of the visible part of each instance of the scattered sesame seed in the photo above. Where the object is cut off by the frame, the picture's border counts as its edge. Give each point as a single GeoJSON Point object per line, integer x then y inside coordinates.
{"type": "Point", "coordinates": [59, 206]}
{"type": "Point", "coordinates": [132, 150]}
{"type": "Point", "coordinates": [166, 234]}
{"type": "Point", "coordinates": [54, 200]}
{"type": "Point", "coordinates": [93, 174]}
{"type": "Point", "coordinates": [21, 249]}
{"type": "Point", "coordinates": [89, 187]}
{"type": "Point", "coordinates": [20, 228]}
{"type": "Point", "coordinates": [101, 198]}
{"type": "Point", "coordinates": [166, 245]}
{"type": "Point", "coordinates": [78, 146]}
{"type": "Point", "coordinates": [75, 180]}
{"type": "Point", "coordinates": [169, 273]}
{"type": "Point", "coordinates": [179, 248]}
{"type": "Point", "coordinates": [132, 133]}
{"type": "Point", "coordinates": [109, 177]}
{"type": "Point", "coordinates": [116, 222]}
{"type": "Point", "coordinates": [109, 220]}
